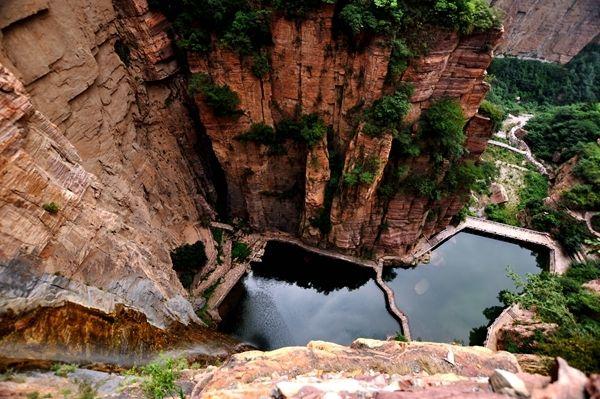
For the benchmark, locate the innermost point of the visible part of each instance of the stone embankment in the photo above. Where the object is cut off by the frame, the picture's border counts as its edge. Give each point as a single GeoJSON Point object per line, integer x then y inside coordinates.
{"type": "Point", "coordinates": [559, 261]}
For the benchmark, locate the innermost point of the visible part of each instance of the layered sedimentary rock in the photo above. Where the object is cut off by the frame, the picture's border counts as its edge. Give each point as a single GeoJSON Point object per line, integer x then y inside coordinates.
{"type": "Point", "coordinates": [312, 71]}
{"type": "Point", "coordinates": [100, 169]}
{"type": "Point", "coordinates": [554, 30]}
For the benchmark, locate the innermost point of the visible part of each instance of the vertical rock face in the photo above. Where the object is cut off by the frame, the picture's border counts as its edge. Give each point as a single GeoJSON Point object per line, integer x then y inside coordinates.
{"type": "Point", "coordinates": [92, 119]}
{"type": "Point", "coordinates": [553, 30]}
{"type": "Point", "coordinates": [313, 72]}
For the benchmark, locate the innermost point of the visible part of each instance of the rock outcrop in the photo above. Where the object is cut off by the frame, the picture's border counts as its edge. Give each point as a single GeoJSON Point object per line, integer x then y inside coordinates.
{"type": "Point", "coordinates": [101, 170]}
{"type": "Point", "coordinates": [378, 369]}
{"type": "Point", "coordinates": [553, 30]}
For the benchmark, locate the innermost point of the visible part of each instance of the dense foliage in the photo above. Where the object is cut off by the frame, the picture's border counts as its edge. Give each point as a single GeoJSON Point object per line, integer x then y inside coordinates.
{"type": "Point", "coordinates": [308, 129]}
{"type": "Point", "coordinates": [570, 232]}
{"type": "Point", "coordinates": [220, 98]}
{"type": "Point", "coordinates": [161, 377]}
{"type": "Point", "coordinates": [387, 113]}
{"type": "Point", "coordinates": [495, 112]}
{"type": "Point", "coordinates": [562, 300]}
{"type": "Point", "coordinates": [362, 173]}
{"type": "Point", "coordinates": [244, 25]}
{"type": "Point", "coordinates": [441, 127]}
{"type": "Point", "coordinates": [527, 84]}
{"type": "Point", "coordinates": [586, 196]}
{"type": "Point", "coordinates": [558, 133]}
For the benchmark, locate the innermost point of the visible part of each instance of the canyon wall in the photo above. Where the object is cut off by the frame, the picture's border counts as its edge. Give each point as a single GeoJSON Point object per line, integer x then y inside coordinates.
{"type": "Point", "coordinates": [312, 71]}
{"type": "Point", "coordinates": [553, 30]}
{"type": "Point", "coordinates": [101, 166]}
{"type": "Point", "coordinates": [105, 166]}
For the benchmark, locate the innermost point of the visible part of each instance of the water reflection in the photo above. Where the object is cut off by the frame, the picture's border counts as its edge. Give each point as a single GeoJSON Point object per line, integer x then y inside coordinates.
{"type": "Point", "coordinates": [293, 296]}
{"type": "Point", "coordinates": [445, 299]}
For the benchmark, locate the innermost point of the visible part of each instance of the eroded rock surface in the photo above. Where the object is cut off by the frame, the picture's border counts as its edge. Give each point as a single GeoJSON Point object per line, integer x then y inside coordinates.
{"type": "Point", "coordinates": [553, 30]}
{"type": "Point", "coordinates": [93, 120]}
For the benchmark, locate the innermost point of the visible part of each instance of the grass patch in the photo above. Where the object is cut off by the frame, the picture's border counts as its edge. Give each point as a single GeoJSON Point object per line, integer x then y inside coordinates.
{"type": "Point", "coordinates": [63, 370]}
{"type": "Point", "coordinates": [161, 377]}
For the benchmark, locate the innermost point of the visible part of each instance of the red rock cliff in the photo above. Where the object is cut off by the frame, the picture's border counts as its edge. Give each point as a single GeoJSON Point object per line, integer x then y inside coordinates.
{"type": "Point", "coordinates": [313, 72]}
{"type": "Point", "coordinates": [92, 119]}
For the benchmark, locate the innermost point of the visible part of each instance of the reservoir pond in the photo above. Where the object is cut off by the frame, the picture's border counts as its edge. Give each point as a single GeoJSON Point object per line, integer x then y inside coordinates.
{"type": "Point", "coordinates": [294, 296]}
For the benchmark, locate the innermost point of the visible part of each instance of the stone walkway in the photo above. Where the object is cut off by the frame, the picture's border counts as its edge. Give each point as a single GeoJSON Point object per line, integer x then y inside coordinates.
{"type": "Point", "coordinates": [523, 149]}
{"type": "Point", "coordinates": [377, 268]}
{"type": "Point", "coordinates": [559, 261]}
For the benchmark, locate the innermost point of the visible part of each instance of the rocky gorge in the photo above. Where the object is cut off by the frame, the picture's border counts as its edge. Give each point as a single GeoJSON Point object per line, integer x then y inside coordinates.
{"type": "Point", "coordinates": [114, 154]}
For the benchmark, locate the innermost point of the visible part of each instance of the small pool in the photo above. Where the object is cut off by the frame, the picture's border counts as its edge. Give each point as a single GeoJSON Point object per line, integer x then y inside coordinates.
{"type": "Point", "coordinates": [293, 297]}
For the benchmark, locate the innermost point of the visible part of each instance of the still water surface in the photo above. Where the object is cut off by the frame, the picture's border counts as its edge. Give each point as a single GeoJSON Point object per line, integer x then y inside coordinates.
{"type": "Point", "coordinates": [293, 297]}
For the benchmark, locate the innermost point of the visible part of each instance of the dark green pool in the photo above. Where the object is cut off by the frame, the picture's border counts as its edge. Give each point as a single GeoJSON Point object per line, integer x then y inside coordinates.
{"type": "Point", "coordinates": [293, 297]}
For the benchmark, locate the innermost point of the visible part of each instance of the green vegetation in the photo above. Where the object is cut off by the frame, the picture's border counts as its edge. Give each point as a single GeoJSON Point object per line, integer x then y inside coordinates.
{"type": "Point", "coordinates": [308, 129]}
{"type": "Point", "coordinates": [86, 391]}
{"type": "Point", "coordinates": [244, 25]}
{"type": "Point", "coordinates": [502, 213]}
{"type": "Point", "coordinates": [562, 300]}
{"type": "Point", "coordinates": [10, 375]}
{"type": "Point", "coordinates": [557, 134]}
{"type": "Point", "coordinates": [387, 113]}
{"type": "Point", "coordinates": [477, 177]}
{"type": "Point", "coordinates": [493, 111]}
{"type": "Point", "coordinates": [161, 377]}
{"type": "Point", "coordinates": [494, 153]}
{"type": "Point", "coordinates": [240, 251]}
{"type": "Point", "coordinates": [187, 261]}
{"type": "Point", "coordinates": [538, 84]}
{"type": "Point", "coordinates": [442, 127]}
{"type": "Point", "coordinates": [534, 190]}
{"type": "Point", "coordinates": [586, 196]}
{"type": "Point", "coordinates": [51, 207]}
{"type": "Point", "coordinates": [570, 232]}
{"type": "Point", "coordinates": [400, 337]}
{"type": "Point", "coordinates": [596, 222]}
{"type": "Point", "coordinates": [440, 135]}
{"type": "Point", "coordinates": [202, 313]}
{"type": "Point", "coordinates": [260, 64]}
{"type": "Point", "coordinates": [63, 370]}
{"type": "Point", "coordinates": [362, 173]}
{"type": "Point", "coordinates": [33, 395]}
{"type": "Point", "coordinates": [220, 98]}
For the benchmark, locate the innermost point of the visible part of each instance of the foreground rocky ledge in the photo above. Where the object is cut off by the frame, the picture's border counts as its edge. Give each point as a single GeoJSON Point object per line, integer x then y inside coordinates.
{"type": "Point", "coordinates": [365, 369]}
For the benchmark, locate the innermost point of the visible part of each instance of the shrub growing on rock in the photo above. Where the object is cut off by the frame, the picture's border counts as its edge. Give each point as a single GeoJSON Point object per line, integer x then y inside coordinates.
{"type": "Point", "coordinates": [240, 251]}
{"type": "Point", "coordinates": [51, 207]}
{"type": "Point", "coordinates": [494, 112]}
{"type": "Point", "coordinates": [442, 127]}
{"type": "Point", "coordinates": [220, 98]}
